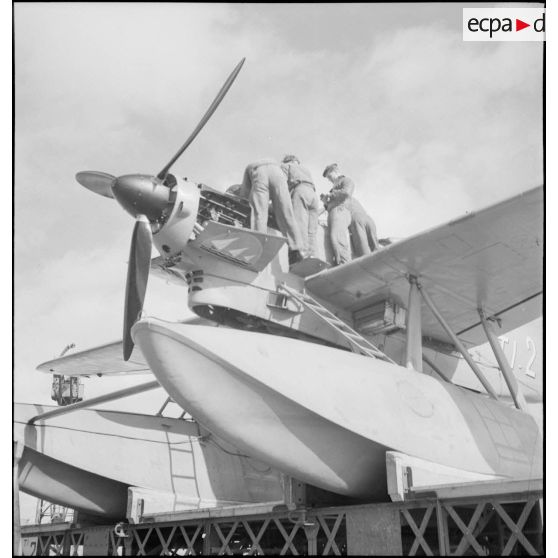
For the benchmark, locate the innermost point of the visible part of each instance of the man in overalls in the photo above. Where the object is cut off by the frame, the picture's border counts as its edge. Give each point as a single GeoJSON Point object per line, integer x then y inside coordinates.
{"type": "Point", "coordinates": [264, 180]}
{"type": "Point", "coordinates": [305, 201]}
{"type": "Point", "coordinates": [363, 230]}
{"type": "Point", "coordinates": [337, 203]}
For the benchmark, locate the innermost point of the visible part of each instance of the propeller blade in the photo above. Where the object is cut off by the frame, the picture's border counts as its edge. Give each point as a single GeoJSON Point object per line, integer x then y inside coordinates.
{"type": "Point", "coordinates": [205, 118]}
{"type": "Point", "coordinates": [98, 182]}
{"type": "Point", "coordinates": [136, 281]}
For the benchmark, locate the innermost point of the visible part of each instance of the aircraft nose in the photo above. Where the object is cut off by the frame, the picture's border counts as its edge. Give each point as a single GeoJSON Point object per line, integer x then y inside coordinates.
{"type": "Point", "coordinates": [141, 195]}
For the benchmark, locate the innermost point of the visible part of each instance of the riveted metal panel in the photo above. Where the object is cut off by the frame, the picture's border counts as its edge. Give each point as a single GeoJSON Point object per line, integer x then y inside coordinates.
{"type": "Point", "coordinates": [96, 542]}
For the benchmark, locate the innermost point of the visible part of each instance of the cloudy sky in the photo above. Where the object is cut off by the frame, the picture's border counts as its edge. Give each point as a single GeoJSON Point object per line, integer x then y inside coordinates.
{"type": "Point", "coordinates": [427, 125]}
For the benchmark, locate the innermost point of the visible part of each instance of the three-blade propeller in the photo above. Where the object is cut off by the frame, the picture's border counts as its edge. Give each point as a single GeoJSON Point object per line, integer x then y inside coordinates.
{"type": "Point", "coordinates": [146, 198]}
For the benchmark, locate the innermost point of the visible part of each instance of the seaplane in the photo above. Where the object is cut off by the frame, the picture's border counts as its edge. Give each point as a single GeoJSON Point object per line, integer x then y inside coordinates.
{"type": "Point", "coordinates": [314, 372]}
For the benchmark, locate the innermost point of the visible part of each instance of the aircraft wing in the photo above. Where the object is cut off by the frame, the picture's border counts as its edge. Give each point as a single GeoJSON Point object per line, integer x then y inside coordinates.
{"type": "Point", "coordinates": [103, 360]}
{"type": "Point", "coordinates": [492, 257]}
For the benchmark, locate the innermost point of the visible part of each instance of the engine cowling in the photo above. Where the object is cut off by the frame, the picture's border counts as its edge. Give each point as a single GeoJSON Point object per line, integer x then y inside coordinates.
{"type": "Point", "coordinates": [177, 229]}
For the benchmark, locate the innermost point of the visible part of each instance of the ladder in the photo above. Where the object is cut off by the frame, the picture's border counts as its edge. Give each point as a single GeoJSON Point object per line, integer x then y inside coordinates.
{"type": "Point", "coordinates": [357, 342]}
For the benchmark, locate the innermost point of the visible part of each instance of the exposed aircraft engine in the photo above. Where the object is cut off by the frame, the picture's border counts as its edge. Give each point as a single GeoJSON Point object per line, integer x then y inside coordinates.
{"type": "Point", "coordinates": [192, 203]}
{"type": "Point", "coordinates": [223, 208]}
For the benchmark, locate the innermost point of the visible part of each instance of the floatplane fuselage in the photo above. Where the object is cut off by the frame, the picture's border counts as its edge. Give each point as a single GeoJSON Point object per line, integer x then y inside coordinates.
{"type": "Point", "coordinates": [295, 382]}
{"type": "Point", "coordinates": [301, 399]}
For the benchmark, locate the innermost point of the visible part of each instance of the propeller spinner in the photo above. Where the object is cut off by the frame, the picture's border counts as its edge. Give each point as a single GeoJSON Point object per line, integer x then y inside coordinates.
{"type": "Point", "coordinates": [146, 198]}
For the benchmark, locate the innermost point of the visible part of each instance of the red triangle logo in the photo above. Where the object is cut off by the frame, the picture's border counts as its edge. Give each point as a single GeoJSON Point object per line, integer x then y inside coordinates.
{"type": "Point", "coordinates": [519, 25]}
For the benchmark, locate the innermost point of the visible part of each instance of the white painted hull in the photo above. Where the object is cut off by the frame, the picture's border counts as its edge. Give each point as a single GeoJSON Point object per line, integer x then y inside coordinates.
{"type": "Point", "coordinates": [87, 459]}
{"type": "Point", "coordinates": [327, 416]}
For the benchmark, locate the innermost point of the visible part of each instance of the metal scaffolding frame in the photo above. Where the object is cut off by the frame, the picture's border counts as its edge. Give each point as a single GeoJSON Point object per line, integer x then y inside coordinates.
{"type": "Point", "coordinates": [455, 520]}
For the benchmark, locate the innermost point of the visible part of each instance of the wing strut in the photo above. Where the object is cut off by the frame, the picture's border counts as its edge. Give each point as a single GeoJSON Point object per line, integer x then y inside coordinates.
{"type": "Point", "coordinates": [517, 396]}
{"type": "Point", "coordinates": [478, 373]}
{"type": "Point", "coordinates": [436, 369]}
{"type": "Point", "coordinates": [413, 353]}
{"type": "Point", "coordinates": [96, 401]}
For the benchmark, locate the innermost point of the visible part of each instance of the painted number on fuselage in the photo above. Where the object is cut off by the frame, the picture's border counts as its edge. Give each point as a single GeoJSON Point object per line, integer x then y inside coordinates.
{"type": "Point", "coordinates": [503, 342]}
{"type": "Point", "coordinates": [533, 350]}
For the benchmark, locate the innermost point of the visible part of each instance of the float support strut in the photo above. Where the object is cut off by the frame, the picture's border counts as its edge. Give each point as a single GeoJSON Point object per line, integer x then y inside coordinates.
{"type": "Point", "coordinates": [505, 368]}
{"type": "Point", "coordinates": [96, 401]}
{"type": "Point", "coordinates": [430, 303]}
{"type": "Point", "coordinates": [413, 356]}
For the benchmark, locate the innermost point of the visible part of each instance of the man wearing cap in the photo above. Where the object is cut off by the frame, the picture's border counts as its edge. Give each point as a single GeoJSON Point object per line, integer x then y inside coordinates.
{"type": "Point", "coordinates": [305, 201]}
{"type": "Point", "coordinates": [337, 203]}
{"type": "Point", "coordinates": [264, 180]}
